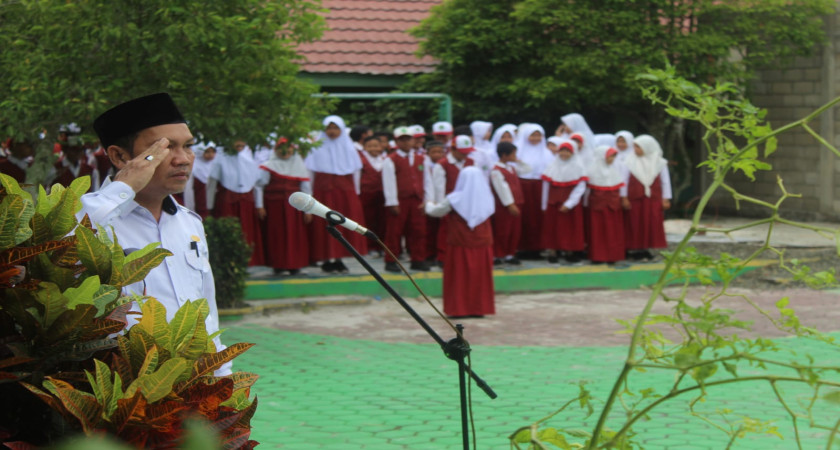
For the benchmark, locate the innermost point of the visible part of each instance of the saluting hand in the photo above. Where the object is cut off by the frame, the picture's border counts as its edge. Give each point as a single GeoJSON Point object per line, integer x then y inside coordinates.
{"type": "Point", "coordinates": [138, 171]}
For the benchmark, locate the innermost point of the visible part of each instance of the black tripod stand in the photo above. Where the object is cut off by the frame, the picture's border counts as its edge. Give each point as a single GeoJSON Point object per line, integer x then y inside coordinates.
{"type": "Point", "coordinates": [456, 349]}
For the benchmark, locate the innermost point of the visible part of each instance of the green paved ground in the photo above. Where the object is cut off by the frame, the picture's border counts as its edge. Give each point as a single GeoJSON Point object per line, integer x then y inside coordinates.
{"type": "Point", "coordinates": [320, 392]}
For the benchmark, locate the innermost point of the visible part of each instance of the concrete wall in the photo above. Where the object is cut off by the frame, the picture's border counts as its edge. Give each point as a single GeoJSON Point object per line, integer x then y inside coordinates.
{"type": "Point", "coordinates": [789, 94]}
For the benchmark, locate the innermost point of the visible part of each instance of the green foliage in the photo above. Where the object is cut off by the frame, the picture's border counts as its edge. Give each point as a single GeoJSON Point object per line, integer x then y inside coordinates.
{"type": "Point", "coordinates": [229, 256]}
{"type": "Point", "coordinates": [230, 65]}
{"type": "Point", "coordinates": [60, 317]}
{"type": "Point", "coordinates": [709, 349]}
{"type": "Point", "coordinates": [543, 57]}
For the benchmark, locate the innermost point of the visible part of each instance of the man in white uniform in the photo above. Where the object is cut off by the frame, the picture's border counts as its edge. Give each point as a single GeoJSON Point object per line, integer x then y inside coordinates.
{"type": "Point", "coordinates": [149, 144]}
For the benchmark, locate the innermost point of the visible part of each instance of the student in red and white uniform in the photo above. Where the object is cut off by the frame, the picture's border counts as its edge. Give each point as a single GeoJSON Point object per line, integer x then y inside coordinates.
{"type": "Point", "coordinates": [287, 242]}
{"type": "Point", "coordinates": [606, 221]}
{"type": "Point", "coordinates": [648, 197]}
{"type": "Point", "coordinates": [575, 123]}
{"type": "Point", "coordinates": [507, 190]}
{"type": "Point", "coordinates": [444, 174]}
{"type": "Point", "coordinates": [468, 267]}
{"type": "Point", "coordinates": [485, 154]}
{"type": "Point", "coordinates": [531, 149]}
{"type": "Point", "coordinates": [195, 193]}
{"type": "Point", "coordinates": [624, 144]}
{"type": "Point", "coordinates": [442, 132]}
{"type": "Point", "coordinates": [435, 153]}
{"type": "Point", "coordinates": [371, 195]}
{"type": "Point", "coordinates": [234, 176]}
{"type": "Point", "coordinates": [333, 162]}
{"type": "Point", "coordinates": [73, 164]}
{"type": "Point", "coordinates": [419, 135]}
{"type": "Point", "coordinates": [564, 183]}
{"type": "Point", "coordinates": [407, 185]}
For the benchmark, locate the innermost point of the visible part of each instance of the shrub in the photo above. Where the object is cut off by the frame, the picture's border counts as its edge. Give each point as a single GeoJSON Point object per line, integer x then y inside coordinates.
{"type": "Point", "coordinates": [60, 315]}
{"type": "Point", "coordinates": [229, 256]}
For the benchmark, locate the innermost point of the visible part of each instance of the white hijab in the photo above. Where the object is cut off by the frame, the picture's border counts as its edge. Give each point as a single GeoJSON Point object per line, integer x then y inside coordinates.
{"type": "Point", "coordinates": [292, 167]}
{"type": "Point", "coordinates": [472, 198]}
{"type": "Point", "coordinates": [239, 172]}
{"type": "Point", "coordinates": [575, 123]}
{"type": "Point", "coordinates": [479, 130]}
{"type": "Point", "coordinates": [334, 156]}
{"type": "Point", "coordinates": [570, 171]}
{"type": "Point", "coordinates": [201, 167]}
{"type": "Point", "coordinates": [537, 156]}
{"type": "Point", "coordinates": [605, 139]}
{"type": "Point", "coordinates": [497, 135]}
{"type": "Point", "coordinates": [628, 138]}
{"type": "Point", "coordinates": [648, 166]}
{"type": "Point", "coordinates": [600, 173]}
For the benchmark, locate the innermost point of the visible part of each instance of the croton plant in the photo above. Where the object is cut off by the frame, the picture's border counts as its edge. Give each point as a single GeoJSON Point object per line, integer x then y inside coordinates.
{"type": "Point", "coordinates": [68, 362]}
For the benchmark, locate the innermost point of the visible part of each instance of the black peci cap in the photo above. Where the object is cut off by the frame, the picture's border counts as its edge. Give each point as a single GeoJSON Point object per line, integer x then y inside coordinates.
{"type": "Point", "coordinates": [136, 115]}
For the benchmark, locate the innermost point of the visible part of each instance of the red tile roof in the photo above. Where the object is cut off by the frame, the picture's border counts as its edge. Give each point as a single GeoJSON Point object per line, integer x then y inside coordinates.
{"type": "Point", "coordinates": [369, 37]}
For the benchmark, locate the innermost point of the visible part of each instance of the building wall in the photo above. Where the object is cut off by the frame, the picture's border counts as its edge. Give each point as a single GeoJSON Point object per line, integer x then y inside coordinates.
{"type": "Point", "coordinates": [806, 167]}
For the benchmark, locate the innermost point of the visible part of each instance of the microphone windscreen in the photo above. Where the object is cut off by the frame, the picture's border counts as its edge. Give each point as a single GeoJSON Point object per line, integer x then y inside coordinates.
{"type": "Point", "coordinates": [300, 200]}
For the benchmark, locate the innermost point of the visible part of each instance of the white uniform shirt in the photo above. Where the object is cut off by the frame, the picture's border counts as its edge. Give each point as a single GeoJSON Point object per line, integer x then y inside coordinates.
{"type": "Point", "coordinates": [180, 278]}
{"type": "Point", "coordinates": [500, 186]}
{"type": "Point", "coordinates": [439, 177]}
{"type": "Point", "coordinates": [574, 197]}
{"type": "Point", "coordinates": [389, 179]}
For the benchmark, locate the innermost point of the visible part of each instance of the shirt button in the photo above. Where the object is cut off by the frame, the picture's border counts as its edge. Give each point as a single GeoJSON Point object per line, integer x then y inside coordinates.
{"type": "Point", "coordinates": [123, 195]}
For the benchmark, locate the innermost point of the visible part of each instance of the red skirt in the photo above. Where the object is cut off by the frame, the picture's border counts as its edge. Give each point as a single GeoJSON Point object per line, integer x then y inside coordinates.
{"type": "Point", "coordinates": [241, 206]}
{"type": "Point", "coordinates": [564, 231]}
{"type": "Point", "coordinates": [286, 240]}
{"type": "Point", "coordinates": [338, 193]}
{"type": "Point", "coordinates": [200, 196]}
{"type": "Point", "coordinates": [468, 281]}
{"type": "Point", "coordinates": [532, 216]}
{"type": "Point", "coordinates": [507, 231]}
{"type": "Point", "coordinates": [606, 234]}
{"type": "Point", "coordinates": [644, 224]}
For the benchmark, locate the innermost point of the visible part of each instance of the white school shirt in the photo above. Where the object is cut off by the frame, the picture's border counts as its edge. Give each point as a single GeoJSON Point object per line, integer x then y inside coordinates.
{"type": "Point", "coordinates": [571, 202]}
{"type": "Point", "coordinates": [497, 180]}
{"type": "Point", "coordinates": [182, 277]}
{"type": "Point", "coordinates": [389, 178]}
{"type": "Point", "coordinates": [439, 177]}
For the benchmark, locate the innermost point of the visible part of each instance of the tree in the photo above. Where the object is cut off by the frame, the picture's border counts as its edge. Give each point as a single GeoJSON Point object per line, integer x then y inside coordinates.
{"type": "Point", "coordinates": [516, 60]}
{"type": "Point", "coordinates": [230, 65]}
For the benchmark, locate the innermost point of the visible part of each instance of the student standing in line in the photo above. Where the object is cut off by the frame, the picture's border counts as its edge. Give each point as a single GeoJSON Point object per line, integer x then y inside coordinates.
{"type": "Point", "coordinates": [370, 184]}
{"type": "Point", "coordinates": [444, 175]}
{"type": "Point", "coordinates": [287, 241]}
{"type": "Point", "coordinates": [436, 153]}
{"type": "Point", "coordinates": [606, 221]}
{"type": "Point", "coordinates": [564, 183]}
{"type": "Point", "coordinates": [235, 176]}
{"type": "Point", "coordinates": [507, 190]}
{"type": "Point", "coordinates": [468, 268]}
{"type": "Point", "coordinates": [648, 196]}
{"type": "Point", "coordinates": [531, 149]}
{"type": "Point", "coordinates": [333, 162]}
{"type": "Point", "coordinates": [407, 185]}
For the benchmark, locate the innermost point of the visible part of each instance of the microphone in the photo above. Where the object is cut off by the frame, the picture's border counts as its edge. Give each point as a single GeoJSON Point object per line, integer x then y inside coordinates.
{"type": "Point", "coordinates": [307, 204]}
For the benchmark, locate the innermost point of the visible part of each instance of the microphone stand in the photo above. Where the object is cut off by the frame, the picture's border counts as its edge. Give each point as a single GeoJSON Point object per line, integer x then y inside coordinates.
{"type": "Point", "coordinates": [455, 349]}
